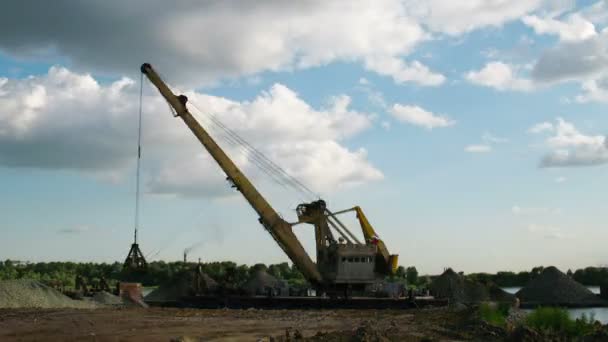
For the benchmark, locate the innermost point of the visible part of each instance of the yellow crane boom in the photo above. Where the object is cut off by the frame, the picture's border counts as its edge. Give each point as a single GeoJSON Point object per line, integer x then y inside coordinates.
{"type": "Point", "coordinates": [370, 234]}
{"type": "Point", "coordinates": [278, 228]}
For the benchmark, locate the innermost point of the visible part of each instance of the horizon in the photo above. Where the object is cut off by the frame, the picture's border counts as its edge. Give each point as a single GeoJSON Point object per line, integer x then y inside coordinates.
{"type": "Point", "coordinates": [472, 136]}
{"type": "Point", "coordinates": [251, 265]}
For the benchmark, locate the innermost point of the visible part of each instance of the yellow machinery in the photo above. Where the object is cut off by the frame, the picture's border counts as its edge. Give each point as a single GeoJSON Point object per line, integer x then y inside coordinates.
{"type": "Point", "coordinates": [342, 264]}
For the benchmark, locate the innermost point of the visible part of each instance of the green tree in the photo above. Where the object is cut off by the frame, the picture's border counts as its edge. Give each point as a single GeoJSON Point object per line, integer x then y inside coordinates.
{"type": "Point", "coordinates": [411, 274]}
{"type": "Point", "coordinates": [400, 272]}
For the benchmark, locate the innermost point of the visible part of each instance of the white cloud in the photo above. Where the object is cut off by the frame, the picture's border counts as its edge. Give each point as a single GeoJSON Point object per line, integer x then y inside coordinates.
{"type": "Point", "coordinates": [457, 17]}
{"type": "Point", "coordinates": [419, 117]}
{"type": "Point", "coordinates": [594, 91]}
{"type": "Point", "coordinates": [374, 96]}
{"type": "Point", "coordinates": [478, 148]}
{"type": "Point", "coordinates": [490, 53]}
{"type": "Point", "coordinates": [386, 125]}
{"type": "Point", "coordinates": [66, 120]}
{"type": "Point", "coordinates": [596, 13]}
{"type": "Point", "coordinates": [500, 76]}
{"type": "Point", "coordinates": [488, 140]}
{"type": "Point", "coordinates": [569, 147]}
{"type": "Point", "coordinates": [492, 139]}
{"type": "Point", "coordinates": [541, 127]}
{"type": "Point", "coordinates": [402, 72]}
{"type": "Point", "coordinates": [203, 42]}
{"type": "Point", "coordinates": [574, 61]}
{"type": "Point", "coordinates": [581, 55]}
{"type": "Point", "coordinates": [573, 28]}
{"type": "Point", "coordinates": [253, 38]}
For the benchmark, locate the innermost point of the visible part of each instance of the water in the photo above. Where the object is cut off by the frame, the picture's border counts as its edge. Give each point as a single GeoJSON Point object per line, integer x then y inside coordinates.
{"type": "Point", "coordinates": [512, 290]}
{"type": "Point", "coordinates": [600, 314]}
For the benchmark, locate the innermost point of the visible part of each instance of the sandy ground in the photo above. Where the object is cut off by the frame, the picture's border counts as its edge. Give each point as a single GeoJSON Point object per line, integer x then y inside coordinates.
{"type": "Point", "coordinates": [165, 324]}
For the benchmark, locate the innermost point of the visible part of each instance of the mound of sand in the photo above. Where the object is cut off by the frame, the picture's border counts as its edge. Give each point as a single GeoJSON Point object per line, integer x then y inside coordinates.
{"type": "Point", "coordinates": [456, 288]}
{"type": "Point", "coordinates": [449, 285]}
{"type": "Point", "coordinates": [181, 286]}
{"type": "Point", "coordinates": [107, 298]}
{"type": "Point", "coordinates": [261, 281]}
{"type": "Point", "coordinates": [26, 293]}
{"type": "Point", "coordinates": [553, 287]}
{"type": "Point", "coordinates": [171, 291]}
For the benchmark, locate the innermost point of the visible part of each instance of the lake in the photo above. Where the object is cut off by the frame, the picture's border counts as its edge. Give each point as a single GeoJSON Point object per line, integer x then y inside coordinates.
{"type": "Point", "coordinates": [600, 314]}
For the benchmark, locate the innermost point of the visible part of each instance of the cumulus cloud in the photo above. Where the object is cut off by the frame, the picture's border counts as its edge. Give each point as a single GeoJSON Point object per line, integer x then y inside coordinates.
{"type": "Point", "coordinates": [570, 147]}
{"type": "Point", "coordinates": [594, 91]}
{"type": "Point", "coordinates": [374, 96]}
{"type": "Point", "coordinates": [574, 61]}
{"type": "Point", "coordinates": [580, 55]}
{"type": "Point", "coordinates": [488, 139]}
{"type": "Point", "coordinates": [478, 148]}
{"type": "Point", "coordinates": [493, 139]}
{"type": "Point", "coordinates": [500, 76]}
{"type": "Point", "coordinates": [67, 120]}
{"type": "Point", "coordinates": [573, 28]}
{"type": "Point", "coordinates": [541, 127]}
{"type": "Point", "coordinates": [56, 121]}
{"type": "Point", "coordinates": [402, 72]}
{"type": "Point", "coordinates": [419, 117]}
{"type": "Point", "coordinates": [457, 17]}
{"type": "Point", "coordinates": [202, 42]}
{"type": "Point", "coordinates": [596, 13]}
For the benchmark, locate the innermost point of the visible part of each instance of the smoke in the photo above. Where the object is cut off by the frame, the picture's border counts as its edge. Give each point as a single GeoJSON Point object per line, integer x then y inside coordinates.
{"type": "Point", "coordinates": [212, 234]}
{"type": "Point", "coordinates": [193, 247]}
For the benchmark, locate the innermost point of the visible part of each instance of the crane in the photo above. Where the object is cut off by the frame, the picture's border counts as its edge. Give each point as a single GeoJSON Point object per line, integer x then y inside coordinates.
{"type": "Point", "coordinates": [341, 264]}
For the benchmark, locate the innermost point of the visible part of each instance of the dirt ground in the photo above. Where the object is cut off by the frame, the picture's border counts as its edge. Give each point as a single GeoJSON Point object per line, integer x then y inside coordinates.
{"type": "Point", "coordinates": [166, 324]}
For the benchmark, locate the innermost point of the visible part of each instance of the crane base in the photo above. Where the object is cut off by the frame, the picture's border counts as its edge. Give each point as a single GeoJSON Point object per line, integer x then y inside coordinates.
{"type": "Point", "coordinates": [262, 302]}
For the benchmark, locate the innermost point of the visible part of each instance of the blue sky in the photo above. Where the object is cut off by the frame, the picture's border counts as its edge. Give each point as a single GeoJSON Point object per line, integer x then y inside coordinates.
{"type": "Point", "coordinates": [472, 136]}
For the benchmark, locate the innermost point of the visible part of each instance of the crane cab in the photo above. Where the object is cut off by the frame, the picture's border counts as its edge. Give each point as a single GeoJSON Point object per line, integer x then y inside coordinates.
{"type": "Point", "coordinates": [350, 263]}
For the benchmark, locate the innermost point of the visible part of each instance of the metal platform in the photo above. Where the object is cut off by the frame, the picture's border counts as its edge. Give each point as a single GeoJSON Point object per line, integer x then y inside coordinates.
{"type": "Point", "coordinates": [261, 302]}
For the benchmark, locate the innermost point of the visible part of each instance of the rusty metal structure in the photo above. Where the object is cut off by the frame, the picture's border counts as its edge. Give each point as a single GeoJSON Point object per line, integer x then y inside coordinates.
{"type": "Point", "coordinates": [135, 260]}
{"type": "Point", "coordinates": [342, 264]}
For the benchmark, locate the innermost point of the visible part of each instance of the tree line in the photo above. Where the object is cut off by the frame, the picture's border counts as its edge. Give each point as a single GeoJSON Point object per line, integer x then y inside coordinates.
{"type": "Point", "coordinates": [589, 276]}
{"type": "Point", "coordinates": [63, 274]}
{"type": "Point", "coordinates": [228, 273]}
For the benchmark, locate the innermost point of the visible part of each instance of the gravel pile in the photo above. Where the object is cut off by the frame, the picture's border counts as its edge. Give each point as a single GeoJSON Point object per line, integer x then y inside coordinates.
{"type": "Point", "coordinates": [171, 291]}
{"type": "Point", "coordinates": [182, 285]}
{"type": "Point", "coordinates": [553, 287]}
{"type": "Point", "coordinates": [456, 288]}
{"type": "Point", "coordinates": [499, 295]}
{"type": "Point", "coordinates": [25, 293]}
{"type": "Point", "coordinates": [107, 298]}
{"type": "Point", "coordinates": [261, 282]}
{"type": "Point", "coordinates": [449, 285]}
